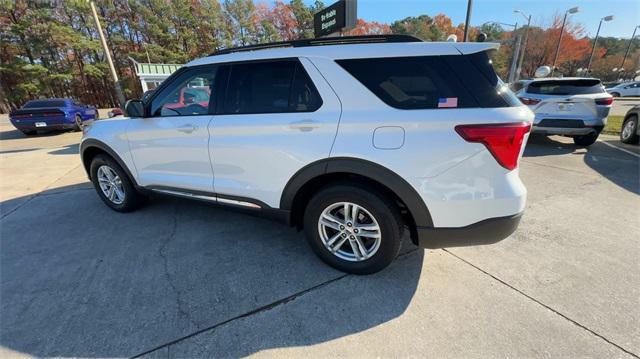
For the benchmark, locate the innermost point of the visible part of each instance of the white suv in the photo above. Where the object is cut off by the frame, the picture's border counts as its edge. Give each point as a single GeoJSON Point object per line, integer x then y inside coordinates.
{"type": "Point", "coordinates": [352, 139]}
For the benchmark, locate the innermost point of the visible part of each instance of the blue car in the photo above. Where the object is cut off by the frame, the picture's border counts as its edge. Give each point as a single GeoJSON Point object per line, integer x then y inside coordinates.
{"type": "Point", "coordinates": [51, 114]}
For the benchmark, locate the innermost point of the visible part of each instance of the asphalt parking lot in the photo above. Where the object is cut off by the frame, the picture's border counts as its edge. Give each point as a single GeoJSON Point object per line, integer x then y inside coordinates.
{"type": "Point", "coordinates": [187, 279]}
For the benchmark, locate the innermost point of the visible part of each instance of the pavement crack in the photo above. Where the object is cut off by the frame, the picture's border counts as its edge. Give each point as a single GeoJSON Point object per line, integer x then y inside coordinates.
{"type": "Point", "coordinates": [165, 262]}
{"type": "Point", "coordinates": [261, 309]}
{"type": "Point", "coordinates": [555, 311]}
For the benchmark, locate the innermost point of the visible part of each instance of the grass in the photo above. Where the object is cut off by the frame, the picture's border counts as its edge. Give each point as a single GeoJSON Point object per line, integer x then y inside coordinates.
{"type": "Point", "coordinates": [614, 125]}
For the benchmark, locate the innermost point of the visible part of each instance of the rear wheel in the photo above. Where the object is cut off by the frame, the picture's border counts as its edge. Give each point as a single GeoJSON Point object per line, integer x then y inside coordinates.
{"type": "Point", "coordinates": [113, 185]}
{"type": "Point", "coordinates": [353, 228]}
{"type": "Point", "coordinates": [615, 94]}
{"type": "Point", "coordinates": [629, 133]}
{"type": "Point", "coordinates": [585, 140]}
{"type": "Point", "coordinates": [78, 123]}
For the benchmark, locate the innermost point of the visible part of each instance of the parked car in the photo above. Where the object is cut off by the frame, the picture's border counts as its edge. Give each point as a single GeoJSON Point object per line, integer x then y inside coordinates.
{"type": "Point", "coordinates": [569, 106]}
{"type": "Point", "coordinates": [625, 89]}
{"type": "Point", "coordinates": [630, 130]}
{"type": "Point", "coordinates": [51, 114]}
{"type": "Point", "coordinates": [115, 112]}
{"type": "Point", "coordinates": [351, 139]}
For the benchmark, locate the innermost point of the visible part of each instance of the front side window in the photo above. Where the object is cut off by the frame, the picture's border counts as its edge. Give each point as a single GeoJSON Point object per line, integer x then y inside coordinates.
{"type": "Point", "coordinates": [188, 94]}
{"type": "Point", "coordinates": [270, 87]}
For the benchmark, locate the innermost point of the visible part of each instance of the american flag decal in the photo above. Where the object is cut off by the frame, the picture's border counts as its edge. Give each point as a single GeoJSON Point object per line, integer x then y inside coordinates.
{"type": "Point", "coordinates": [447, 102]}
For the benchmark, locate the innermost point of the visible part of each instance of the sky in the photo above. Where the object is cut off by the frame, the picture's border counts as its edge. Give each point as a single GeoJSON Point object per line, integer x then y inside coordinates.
{"type": "Point", "coordinates": [626, 12]}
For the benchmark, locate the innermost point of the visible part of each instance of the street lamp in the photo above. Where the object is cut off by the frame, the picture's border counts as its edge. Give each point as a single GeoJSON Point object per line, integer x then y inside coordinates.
{"type": "Point", "coordinates": [595, 41]}
{"type": "Point", "coordinates": [626, 53]}
{"type": "Point", "coordinates": [573, 10]}
{"type": "Point", "coordinates": [524, 45]}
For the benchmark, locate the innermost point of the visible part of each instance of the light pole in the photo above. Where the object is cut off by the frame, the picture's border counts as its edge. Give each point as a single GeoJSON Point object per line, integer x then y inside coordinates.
{"type": "Point", "coordinates": [573, 10]}
{"type": "Point", "coordinates": [524, 45]}
{"type": "Point", "coordinates": [107, 53]}
{"type": "Point", "coordinates": [595, 41]}
{"type": "Point", "coordinates": [626, 53]}
{"type": "Point", "coordinates": [466, 21]}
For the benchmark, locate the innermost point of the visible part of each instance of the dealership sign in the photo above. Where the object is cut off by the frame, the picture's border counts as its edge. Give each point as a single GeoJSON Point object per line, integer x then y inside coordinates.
{"type": "Point", "coordinates": [335, 18]}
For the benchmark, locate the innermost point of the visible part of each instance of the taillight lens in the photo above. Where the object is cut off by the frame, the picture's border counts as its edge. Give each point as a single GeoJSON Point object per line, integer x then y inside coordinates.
{"type": "Point", "coordinates": [503, 140]}
{"type": "Point", "coordinates": [604, 101]}
{"type": "Point", "coordinates": [529, 101]}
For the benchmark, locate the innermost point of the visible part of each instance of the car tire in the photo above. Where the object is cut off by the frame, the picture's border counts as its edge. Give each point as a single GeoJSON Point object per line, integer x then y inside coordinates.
{"type": "Point", "coordinates": [358, 247]}
{"type": "Point", "coordinates": [78, 123]}
{"type": "Point", "coordinates": [629, 132]}
{"type": "Point", "coordinates": [107, 174]}
{"type": "Point", "coordinates": [29, 133]}
{"type": "Point", "coordinates": [615, 94]}
{"type": "Point", "coordinates": [586, 140]}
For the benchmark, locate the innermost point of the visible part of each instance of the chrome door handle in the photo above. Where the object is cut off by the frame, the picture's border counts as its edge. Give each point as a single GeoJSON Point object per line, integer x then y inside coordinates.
{"type": "Point", "coordinates": [304, 125]}
{"type": "Point", "coordinates": [187, 128]}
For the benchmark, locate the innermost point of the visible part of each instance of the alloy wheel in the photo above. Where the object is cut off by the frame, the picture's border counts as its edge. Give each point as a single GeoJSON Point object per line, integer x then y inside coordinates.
{"type": "Point", "coordinates": [627, 131]}
{"type": "Point", "coordinates": [110, 184]}
{"type": "Point", "coordinates": [349, 231]}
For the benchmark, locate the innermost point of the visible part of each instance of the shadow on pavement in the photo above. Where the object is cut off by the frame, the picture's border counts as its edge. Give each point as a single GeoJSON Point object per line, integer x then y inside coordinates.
{"type": "Point", "coordinates": [78, 279]}
{"type": "Point", "coordinates": [619, 167]}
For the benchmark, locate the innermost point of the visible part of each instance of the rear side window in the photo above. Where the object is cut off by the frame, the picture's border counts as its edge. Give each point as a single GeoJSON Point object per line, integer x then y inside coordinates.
{"type": "Point", "coordinates": [270, 87]}
{"type": "Point", "coordinates": [566, 87]}
{"type": "Point", "coordinates": [429, 82]}
{"type": "Point", "coordinates": [44, 103]}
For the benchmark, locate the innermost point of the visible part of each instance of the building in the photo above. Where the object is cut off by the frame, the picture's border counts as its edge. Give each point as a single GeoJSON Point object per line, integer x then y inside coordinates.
{"type": "Point", "coordinates": [151, 75]}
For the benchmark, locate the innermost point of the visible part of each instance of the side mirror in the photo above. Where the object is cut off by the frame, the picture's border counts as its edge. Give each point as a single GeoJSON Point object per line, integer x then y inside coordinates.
{"type": "Point", "coordinates": [134, 108]}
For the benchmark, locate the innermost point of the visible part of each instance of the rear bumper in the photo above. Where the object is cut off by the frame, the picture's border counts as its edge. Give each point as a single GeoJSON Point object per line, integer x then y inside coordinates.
{"type": "Point", "coordinates": [484, 232]}
{"type": "Point", "coordinates": [566, 131]}
{"type": "Point", "coordinates": [31, 125]}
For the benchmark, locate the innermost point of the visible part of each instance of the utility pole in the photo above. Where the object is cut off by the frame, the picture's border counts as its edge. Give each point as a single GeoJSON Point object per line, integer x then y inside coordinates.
{"type": "Point", "coordinates": [524, 45]}
{"type": "Point", "coordinates": [626, 53]}
{"type": "Point", "coordinates": [595, 41]}
{"type": "Point", "coordinates": [573, 10]}
{"type": "Point", "coordinates": [514, 62]}
{"type": "Point", "coordinates": [467, 20]}
{"type": "Point", "coordinates": [114, 75]}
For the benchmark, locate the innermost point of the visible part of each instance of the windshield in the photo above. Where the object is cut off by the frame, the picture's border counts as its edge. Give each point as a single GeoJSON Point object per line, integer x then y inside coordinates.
{"type": "Point", "coordinates": [44, 103]}
{"type": "Point", "coordinates": [566, 87]}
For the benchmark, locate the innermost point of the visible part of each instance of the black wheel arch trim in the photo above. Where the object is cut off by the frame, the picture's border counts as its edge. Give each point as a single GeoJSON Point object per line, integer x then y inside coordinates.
{"type": "Point", "coordinates": [93, 143]}
{"type": "Point", "coordinates": [360, 167]}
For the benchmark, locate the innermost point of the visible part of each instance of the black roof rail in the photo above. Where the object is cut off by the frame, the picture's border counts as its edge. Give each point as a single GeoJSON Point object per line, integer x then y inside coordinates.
{"type": "Point", "coordinates": [343, 40]}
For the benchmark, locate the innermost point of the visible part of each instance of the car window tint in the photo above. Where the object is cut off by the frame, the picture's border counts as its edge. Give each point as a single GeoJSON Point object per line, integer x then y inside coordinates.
{"type": "Point", "coordinates": [261, 87]}
{"type": "Point", "coordinates": [187, 95]}
{"type": "Point", "coordinates": [566, 87]}
{"type": "Point", "coordinates": [304, 96]}
{"type": "Point", "coordinates": [429, 82]}
{"type": "Point", "coordinates": [44, 103]}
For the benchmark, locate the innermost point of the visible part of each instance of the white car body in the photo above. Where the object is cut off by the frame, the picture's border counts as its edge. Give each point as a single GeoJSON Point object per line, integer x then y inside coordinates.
{"type": "Point", "coordinates": [625, 89]}
{"type": "Point", "coordinates": [252, 160]}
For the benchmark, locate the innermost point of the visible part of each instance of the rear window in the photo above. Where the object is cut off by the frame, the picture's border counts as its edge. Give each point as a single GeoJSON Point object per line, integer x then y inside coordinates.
{"type": "Point", "coordinates": [44, 103]}
{"type": "Point", "coordinates": [566, 87]}
{"type": "Point", "coordinates": [429, 82]}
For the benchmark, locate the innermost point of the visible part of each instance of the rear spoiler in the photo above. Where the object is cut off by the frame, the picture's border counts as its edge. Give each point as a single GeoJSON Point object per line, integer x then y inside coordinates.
{"type": "Point", "coordinates": [467, 48]}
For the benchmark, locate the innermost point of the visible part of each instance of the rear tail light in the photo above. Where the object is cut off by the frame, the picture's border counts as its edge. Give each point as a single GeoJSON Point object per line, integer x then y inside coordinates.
{"type": "Point", "coordinates": [604, 101]}
{"type": "Point", "coordinates": [529, 101]}
{"type": "Point", "coordinates": [503, 140]}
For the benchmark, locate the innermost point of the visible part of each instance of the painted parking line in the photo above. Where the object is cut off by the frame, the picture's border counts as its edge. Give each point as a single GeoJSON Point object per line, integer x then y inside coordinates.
{"type": "Point", "coordinates": [620, 148]}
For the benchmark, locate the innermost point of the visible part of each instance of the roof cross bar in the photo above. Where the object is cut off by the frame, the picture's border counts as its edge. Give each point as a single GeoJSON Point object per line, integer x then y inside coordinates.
{"type": "Point", "coordinates": [343, 40]}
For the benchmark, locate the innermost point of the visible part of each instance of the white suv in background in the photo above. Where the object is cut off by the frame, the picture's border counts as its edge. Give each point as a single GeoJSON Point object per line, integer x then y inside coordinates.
{"type": "Point", "coordinates": [353, 139]}
{"type": "Point", "coordinates": [570, 106]}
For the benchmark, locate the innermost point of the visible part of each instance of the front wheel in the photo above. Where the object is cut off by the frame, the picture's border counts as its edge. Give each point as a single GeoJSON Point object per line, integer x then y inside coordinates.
{"type": "Point", "coordinates": [586, 140]}
{"type": "Point", "coordinates": [113, 185]}
{"type": "Point", "coordinates": [353, 228]}
{"type": "Point", "coordinates": [615, 94]}
{"type": "Point", "coordinates": [629, 133]}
